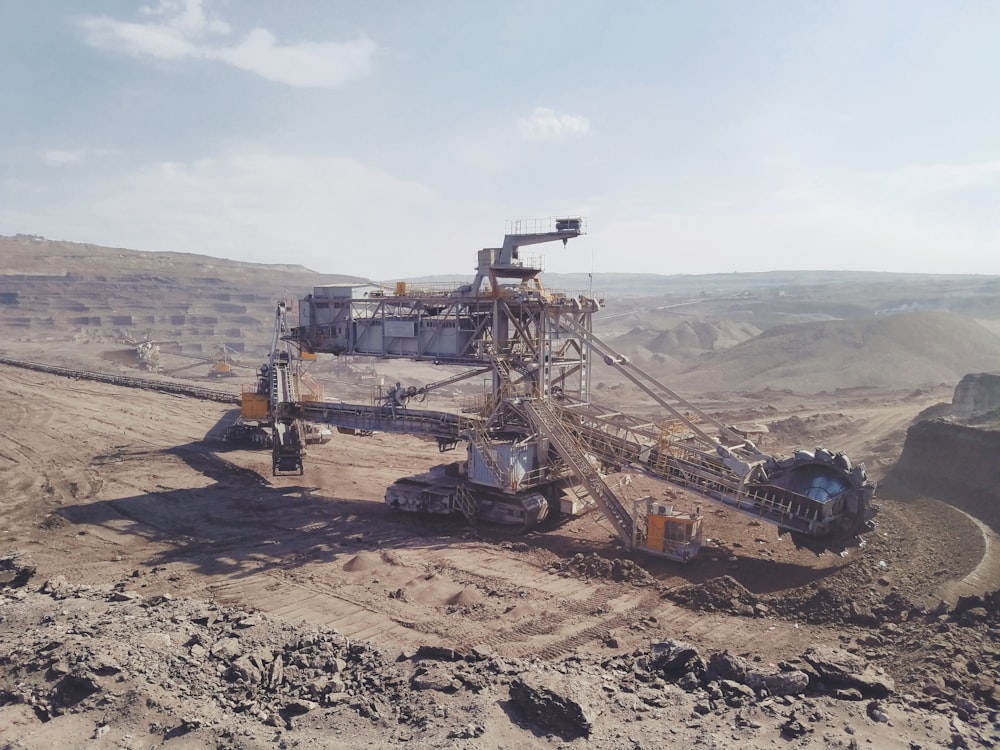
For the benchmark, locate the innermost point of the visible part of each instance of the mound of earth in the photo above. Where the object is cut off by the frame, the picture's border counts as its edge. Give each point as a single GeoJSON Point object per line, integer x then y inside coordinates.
{"type": "Point", "coordinates": [596, 566]}
{"type": "Point", "coordinates": [367, 560]}
{"type": "Point", "coordinates": [722, 594]}
{"type": "Point", "coordinates": [465, 597]}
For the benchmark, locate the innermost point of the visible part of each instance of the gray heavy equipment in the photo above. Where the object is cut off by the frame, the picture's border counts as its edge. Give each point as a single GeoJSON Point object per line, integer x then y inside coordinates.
{"type": "Point", "coordinates": [539, 433]}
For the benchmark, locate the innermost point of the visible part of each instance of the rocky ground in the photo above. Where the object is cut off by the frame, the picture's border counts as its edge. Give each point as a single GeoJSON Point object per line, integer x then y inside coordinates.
{"type": "Point", "coordinates": [112, 667]}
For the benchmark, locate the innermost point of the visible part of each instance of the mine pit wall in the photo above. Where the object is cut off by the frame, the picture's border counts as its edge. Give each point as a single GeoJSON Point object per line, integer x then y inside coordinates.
{"type": "Point", "coordinates": [953, 463]}
{"type": "Point", "coordinates": [976, 394]}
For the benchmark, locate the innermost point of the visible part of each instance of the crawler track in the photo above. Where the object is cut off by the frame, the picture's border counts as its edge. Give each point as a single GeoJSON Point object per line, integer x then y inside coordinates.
{"type": "Point", "coordinates": [127, 381]}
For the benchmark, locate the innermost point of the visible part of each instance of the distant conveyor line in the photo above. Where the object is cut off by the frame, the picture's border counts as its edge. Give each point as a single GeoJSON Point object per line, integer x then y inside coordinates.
{"type": "Point", "coordinates": [127, 381]}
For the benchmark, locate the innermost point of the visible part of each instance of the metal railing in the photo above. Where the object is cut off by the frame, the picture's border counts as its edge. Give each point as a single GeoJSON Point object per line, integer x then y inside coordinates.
{"type": "Point", "coordinates": [542, 225]}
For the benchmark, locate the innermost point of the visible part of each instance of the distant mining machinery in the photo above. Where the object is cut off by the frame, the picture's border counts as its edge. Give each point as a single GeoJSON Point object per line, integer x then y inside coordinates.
{"type": "Point", "coordinates": [147, 351]}
{"type": "Point", "coordinates": [539, 444]}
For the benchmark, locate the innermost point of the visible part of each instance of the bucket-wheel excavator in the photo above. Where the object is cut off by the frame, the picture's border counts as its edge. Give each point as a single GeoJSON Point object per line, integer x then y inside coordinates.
{"type": "Point", "coordinates": [539, 431]}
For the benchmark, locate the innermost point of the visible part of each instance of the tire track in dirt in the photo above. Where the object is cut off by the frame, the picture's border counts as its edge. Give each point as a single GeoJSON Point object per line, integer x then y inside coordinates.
{"type": "Point", "coordinates": [568, 625]}
{"type": "Point", "coordinates": [32, 436]}
{"type": "Point", "coordinates": [279, 594]}
{"type": "Point", "coordinates": [574, 612]}
{"type": "Point", "coordinates": [600, 630]}
{"type": "Point", "coordinates": [984, 576]}
{"type": "Point", "coordinates": [575, 624]}
{"type": "Point", "coordinates": [16, 452]}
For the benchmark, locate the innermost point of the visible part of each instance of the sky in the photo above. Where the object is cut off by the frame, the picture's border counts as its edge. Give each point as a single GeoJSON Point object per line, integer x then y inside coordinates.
{"type": "Point", "coordinates": [394, 138]}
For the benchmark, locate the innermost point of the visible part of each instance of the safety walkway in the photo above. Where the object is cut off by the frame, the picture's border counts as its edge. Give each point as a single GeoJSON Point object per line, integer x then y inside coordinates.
{"type": "Point", "coordinates": [380, 419]}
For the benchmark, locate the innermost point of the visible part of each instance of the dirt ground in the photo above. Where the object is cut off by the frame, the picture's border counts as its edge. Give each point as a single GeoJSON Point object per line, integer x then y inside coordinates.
{"type": "Point", "coordinates": [136, 531]}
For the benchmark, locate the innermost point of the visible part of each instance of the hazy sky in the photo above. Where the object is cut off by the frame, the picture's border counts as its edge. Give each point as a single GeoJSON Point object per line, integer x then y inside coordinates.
{"type": "Point", "coordinates": [389, 139]}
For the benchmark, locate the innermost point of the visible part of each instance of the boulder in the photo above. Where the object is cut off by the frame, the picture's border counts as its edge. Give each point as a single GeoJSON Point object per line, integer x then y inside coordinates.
{"type": "Point", "coordinates": [793, 728]}
{"type": "Point", "coordinates": [226, 649]}
{"type": "Point", "coordinates": [727, 666]}
{"type": "Point", "coordinates": [243, 669]}
{"type": "Point", "coordinates": [838, 668]}
{"type": "Point", "coordinates": [554, 703]}
{"type": "Point", "coordinates": [438, 653]}
{"type": "Point", "coordinates": [56, 587]}
{"type": "Point", "coordinates": [672, 657]}
{"type": "Point", "coordinates": [790, 682]}
{"type": "Point", "coordinates": [434, 678]}
{"type": "Point", "coordinates": [736, 694]}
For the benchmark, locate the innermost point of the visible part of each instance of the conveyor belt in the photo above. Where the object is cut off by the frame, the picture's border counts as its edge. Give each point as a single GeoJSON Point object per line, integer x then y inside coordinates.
{"type": "Point", "coordinates": [383, 419]}
{"type": "Point", "coordinates": [127, 381]}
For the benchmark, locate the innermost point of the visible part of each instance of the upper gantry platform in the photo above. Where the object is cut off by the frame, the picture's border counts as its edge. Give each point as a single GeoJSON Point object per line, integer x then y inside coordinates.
{"type": "Point", "coordinates": [474, 324]}
{"type": "Point", "coordinates": [506, 262]}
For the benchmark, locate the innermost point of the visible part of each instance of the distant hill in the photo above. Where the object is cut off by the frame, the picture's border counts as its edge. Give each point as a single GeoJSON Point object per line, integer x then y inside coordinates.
{"type": "Point", "coordinates": [832, 330]}
{"type": "Point", "coordinates": [65, 291]}
{"type": "Point", "coordinates": [32, 255]}
{"type": "Point", "coordinates": [906, 349]}
{"type": "Point", "coordinates": [806, 331]}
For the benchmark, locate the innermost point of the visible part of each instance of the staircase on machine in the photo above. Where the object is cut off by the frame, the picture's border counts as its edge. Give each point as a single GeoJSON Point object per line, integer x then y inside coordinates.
{"type": "Point", "coordinates": [467, 503]}
{"type": "Point", "coordinates": [480, 439]}
{"type": "Point", "coordinates": [550, 426]}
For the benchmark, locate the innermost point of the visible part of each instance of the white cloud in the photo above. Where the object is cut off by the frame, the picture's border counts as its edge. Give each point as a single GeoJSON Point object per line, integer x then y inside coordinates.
{"type": "Point", "coordinates": [307, 64]}
{"type": "Point", "coordinates": [181, 30]}
{"type": "Point", "coordinates": [546, 124]}
{"type": "Point", "coordinates": [187, 16]}
{"type": "Point", "coordinates": [163, 42]}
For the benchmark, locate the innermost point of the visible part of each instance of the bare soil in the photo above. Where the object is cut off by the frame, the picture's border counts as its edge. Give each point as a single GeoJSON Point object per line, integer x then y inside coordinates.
{"type": "Point", "coordinates": [131, 493]}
